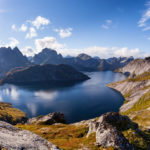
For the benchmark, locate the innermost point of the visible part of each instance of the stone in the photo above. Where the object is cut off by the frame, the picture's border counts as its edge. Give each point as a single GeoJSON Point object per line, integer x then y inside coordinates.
{"type": "Point", "coordinates": [12, 138]}
{"type": "Point", "coordinates": [49, 119]}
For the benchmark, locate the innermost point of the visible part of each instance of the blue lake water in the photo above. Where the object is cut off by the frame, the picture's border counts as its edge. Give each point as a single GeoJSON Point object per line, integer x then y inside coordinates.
{"type": "Point", "coordinates": [78, 102]}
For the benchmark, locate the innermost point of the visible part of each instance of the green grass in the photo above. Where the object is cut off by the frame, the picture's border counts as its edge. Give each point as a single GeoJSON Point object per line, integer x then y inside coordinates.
{"type": "Point", "coordinates": [140, 140]}
{"type": "Point", "coordinates": [142, 104]}
{"type": "Point", "coordinates": [142, 77]}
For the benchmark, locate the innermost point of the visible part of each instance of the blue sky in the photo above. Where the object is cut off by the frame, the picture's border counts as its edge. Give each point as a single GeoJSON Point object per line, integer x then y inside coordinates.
{"type": "Point", "coordinates": [97, 27]}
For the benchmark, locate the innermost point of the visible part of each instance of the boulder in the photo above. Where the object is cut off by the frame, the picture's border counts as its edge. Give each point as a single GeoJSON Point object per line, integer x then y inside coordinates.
{"type": "Point", "coordinates": [108, 129]}
{"type": "Point", "coordinates": [49, 119]}
{"type": "Point", "coordinates": [12, 138]}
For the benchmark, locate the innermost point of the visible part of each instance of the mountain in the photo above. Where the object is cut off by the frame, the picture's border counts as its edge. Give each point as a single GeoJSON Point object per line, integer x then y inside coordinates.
{"type": "Point", "coordinates": [47, 56]}
{"type": "Point", "coordinates": [11, 58]}
{"type": "Point", "coordinates": [136, 67]}
{"type": "Point", "coordinates": [44, 74]}
{"type": "Point", "coordinates": [136, 91]}
{"type": "Point", "coordinates": [82, 62]}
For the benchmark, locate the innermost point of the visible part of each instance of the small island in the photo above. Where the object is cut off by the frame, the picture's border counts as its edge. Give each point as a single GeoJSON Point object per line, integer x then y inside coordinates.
{"type": "Point", "coordinates": [43, 74]}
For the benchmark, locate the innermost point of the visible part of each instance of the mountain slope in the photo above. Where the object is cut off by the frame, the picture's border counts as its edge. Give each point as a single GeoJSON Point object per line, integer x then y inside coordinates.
{"type": "Point", "coordinates": [44, 74]}
{"type": "Point", "coordinates": [136, 90]}
{"type": "Point", "coordinates": [11, 58]}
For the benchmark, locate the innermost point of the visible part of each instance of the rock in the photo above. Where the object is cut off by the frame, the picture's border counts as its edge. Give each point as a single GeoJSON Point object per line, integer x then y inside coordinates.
{"type": "Point", "coordinates": [108, 129]}
{"type": "Point", "coordinates": [44, 74]}
{"type": "Point", "coordinates": [11, 115]}
{"type": "Point", "coordinates": [12, 138]}
{"type": "Point", "coordinates": [136, 67]}
{"type": "Point", "coordinates": [49, 119]}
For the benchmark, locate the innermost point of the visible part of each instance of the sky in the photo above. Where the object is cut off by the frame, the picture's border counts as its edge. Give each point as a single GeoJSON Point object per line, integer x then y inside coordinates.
{"type": "Point", "coordinates": [103, 28]}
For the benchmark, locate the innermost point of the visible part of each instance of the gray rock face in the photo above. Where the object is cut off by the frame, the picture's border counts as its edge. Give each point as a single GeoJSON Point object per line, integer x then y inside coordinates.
{"type": "Point", "coordinates": [49, 119]}
{"type": "Point", "coordinates": [12, 138]}
{"type": "Point", "coordinates": [44, 74]}
{"type": "Point", "coordinates": [136, 67]}
{"type": "Point", "coordinates": [108, 131]}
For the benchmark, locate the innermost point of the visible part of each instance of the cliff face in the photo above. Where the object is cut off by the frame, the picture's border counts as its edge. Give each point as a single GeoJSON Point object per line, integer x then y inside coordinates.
{"type": "Point", "coordinates": [136, 90]}
{"type": "Point", "coordinates": [44, 74]}
{"type": "Point", "coordinates": [11, 58]}
{"type": "Point", "coordinates": [136, 67]}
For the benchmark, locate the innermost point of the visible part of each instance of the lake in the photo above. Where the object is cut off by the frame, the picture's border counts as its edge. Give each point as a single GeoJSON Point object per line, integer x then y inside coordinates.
{"type": "Point", "coordinates": [78, 102]}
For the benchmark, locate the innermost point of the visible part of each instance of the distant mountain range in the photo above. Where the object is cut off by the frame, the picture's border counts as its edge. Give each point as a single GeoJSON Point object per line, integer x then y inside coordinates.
{"type": "Point", "coordinates": [12, 58]}
{"type": "Point", "coordinates": [82, 62]}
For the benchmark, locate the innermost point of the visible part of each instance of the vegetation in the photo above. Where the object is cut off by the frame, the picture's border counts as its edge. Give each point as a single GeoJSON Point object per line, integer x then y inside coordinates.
{"type": "Point", "coordinates": [142, 104]}
{"type": "Point", "coordinates": [10, 114]}
{"type": "Point", "coordinates": [142, 77]}
{"type": "Point", "coordinates": [140, 140]}
{"type": "Point", "coordinates": [67, 137]}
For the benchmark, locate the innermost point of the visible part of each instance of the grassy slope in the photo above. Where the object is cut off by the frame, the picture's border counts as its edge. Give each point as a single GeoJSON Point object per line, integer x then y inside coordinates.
{"type": "Point", "coordinates": [67, 137]}
{"type": "Point", "coordinates": [10, 114]}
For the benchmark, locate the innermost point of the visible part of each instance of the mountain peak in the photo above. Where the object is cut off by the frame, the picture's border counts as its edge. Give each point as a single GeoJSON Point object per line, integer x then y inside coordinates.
{"type": "Point", "coordinates": [84, 56]}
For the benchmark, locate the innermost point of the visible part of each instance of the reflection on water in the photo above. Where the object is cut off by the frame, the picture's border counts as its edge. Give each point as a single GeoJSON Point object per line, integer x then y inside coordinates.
{"type": "Point", "coordinates": [80, 101]}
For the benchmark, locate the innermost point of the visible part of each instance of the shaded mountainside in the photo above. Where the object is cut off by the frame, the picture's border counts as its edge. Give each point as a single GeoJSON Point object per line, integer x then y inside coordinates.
{"type": "Point", "coordinates": [11, 58]}
{"type": "Point", "coordinates": [82, 62]}
{"type": "Point", "coordinates": [136, 90]}
{"type": "Point", "coordinates": [43, 74]}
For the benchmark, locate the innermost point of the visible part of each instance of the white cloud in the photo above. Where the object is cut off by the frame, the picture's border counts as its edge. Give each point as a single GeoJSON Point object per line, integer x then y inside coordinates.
{"type": "Point", "coordinates": [40, 21]}
{"type": "Point", "coordinates": [63, 33]}
{"type": "Point", "coordinates": [13, 27]}
{"type": "Point", "coordinates": [104, 52]}
{"type": "Point", "coordinates": [32, 33]}
{"type": "Point", "coordinates": [23, 28]}
{"type": "Point", "coordinates": [107, 24]}
{"type": "Point", "coordinates": [143, 22]}
{"type": "Point", "coordinates": [48, 42]}
{"type": "Point", "coordinates": [28, 51]}
{"type": "Point", "coordinates": [12, 43]}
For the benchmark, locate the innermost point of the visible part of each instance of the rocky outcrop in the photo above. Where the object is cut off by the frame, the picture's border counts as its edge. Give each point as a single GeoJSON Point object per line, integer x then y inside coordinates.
{"type": "Point", "coordinates": [136, 67]}
{"type": "Point", "coordinates": [44, 74]}
{"type": "Point", "coordinates": [49, 119]}
{"type": "Point", "coordinates": [11, 115]}
{"type": "Point", "coordinates": [12, 138]}
{"type": "Point", "coordinates": [11, 58]}
{"type": "Point", "coordinates": [136, 91]}
{"type": "Point", "coordinates": [109, 129]}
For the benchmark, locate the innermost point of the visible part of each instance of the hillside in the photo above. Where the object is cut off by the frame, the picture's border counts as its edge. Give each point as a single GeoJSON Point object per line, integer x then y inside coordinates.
{"type": "Point", "coordinates": [136, 90]}
{"type": "Point", "coordinates": [11, 58]}
{"type": "Point", "coordinates": [43, 74]}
